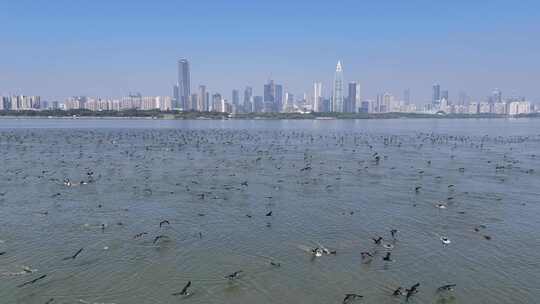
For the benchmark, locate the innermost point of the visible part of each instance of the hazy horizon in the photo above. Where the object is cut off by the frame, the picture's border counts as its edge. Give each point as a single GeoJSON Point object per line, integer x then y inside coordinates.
{"type": "Point", "coordinates": [59, 49]}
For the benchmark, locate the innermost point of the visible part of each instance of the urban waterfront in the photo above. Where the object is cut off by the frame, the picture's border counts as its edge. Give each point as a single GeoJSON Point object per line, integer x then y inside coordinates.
{"type": "Point", "coordinates": [154, 204]}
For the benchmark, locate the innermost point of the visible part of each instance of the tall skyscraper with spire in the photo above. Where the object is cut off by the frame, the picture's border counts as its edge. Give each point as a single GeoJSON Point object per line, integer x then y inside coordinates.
{"type": "Point", "coordinates": [337, 93]}
{"type": "Point", "coordinates": [183, 86]}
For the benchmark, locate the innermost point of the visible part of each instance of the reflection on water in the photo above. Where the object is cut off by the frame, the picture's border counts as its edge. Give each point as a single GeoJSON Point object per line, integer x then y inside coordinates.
{"type": "Point", "coordinates": [257, 197]}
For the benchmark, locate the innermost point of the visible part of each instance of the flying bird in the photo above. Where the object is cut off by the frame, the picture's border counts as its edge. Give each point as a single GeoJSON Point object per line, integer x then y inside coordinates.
{"type": "Point", "coordinates": [184, 291]}
{"type": "Point", "coordinates": [75, 255]}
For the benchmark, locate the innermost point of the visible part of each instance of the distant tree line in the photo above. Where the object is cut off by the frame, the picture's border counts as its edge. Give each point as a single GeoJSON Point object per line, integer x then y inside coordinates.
{"type": "Point", "coordinates": [218, 115]}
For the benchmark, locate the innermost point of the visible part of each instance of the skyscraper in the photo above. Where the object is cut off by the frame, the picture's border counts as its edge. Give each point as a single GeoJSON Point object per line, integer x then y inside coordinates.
{"type": "Point", "coordinates": [235, 97]}
{"type": "Point", "coordinates": [444, 95]}
{"type": "Point", "coordinates": [436, 94]}
{"type": "Point", "coordinates": [354, 97]}
{"type": "Point", "coordinates": [202, 101]}
{"type": "Point", "coordinates": [176, 97]}
{"type": "Point", "coordinates": [268, 94]}
{"type": "Point", "coordinates": [496, 95]}
{"type": "Point", "coordinates": [337, 93]}
{"type": "Point", "coordinates": [407, 97]}
{"type": "Point", "coordinates": [278, 98]}
{"type": "Point", "coordinates": [184, 84]}
{"type": "Point", "coordinates": [248, 96]}
{"type": "Point", "coordinates": [317, 97]}
{"type": "Point", "coordinates": [273, 97]}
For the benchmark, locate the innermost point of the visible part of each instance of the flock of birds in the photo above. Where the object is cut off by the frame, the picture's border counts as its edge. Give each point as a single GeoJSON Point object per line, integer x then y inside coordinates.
{"type": "Point", "coordinates": [254, 148]}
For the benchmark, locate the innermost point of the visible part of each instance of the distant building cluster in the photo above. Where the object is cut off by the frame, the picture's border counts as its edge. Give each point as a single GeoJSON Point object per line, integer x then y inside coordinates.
{"type": "Point", "coordinates": [342, 98]}
{"type": "Point", "coordinates": [131, 102]}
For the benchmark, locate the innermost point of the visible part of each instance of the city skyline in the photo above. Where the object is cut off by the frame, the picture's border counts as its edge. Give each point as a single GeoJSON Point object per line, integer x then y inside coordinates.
{"type": "Point", "coordinates": [104, 49]}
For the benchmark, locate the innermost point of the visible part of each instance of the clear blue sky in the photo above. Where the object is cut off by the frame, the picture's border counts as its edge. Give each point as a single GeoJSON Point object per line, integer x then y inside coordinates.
{"type": "Point", "coordinates": [109, 48]}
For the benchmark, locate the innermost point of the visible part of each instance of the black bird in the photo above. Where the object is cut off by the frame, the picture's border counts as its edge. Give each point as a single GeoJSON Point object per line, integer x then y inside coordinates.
{"type": "Point", "coordinates": [411, 291]}
{"type": "Point", "coordinates": [269, 213]}
{"type": "Point", "coordinates": [184, 291]}
{"type": "Point", "coordinates": [387, 257]}
{"type": "Point", "coordinates": [398, 291]}
{"type": "Point", "coordinates": [275, 264]}
{"type": "Point", "coordinates": [163, 222]}
{"type": "Point", "coordinates": [157, 238]}
{"type": "Point", "coordinates": [75, 255]}
{"type": "Point", "coordinates": [32, 281]}
{"type": "Point", "coordinates": [417, 189]}
{"type": "Point", "coordinates": [377, 240]}
{"type": "Point", "coordinates": [138, 235]}
{"type": "Point", "coordinates": [233, 275]}
{"type": "Point", "coordinates": [244, 183]}
{"type": "Point", "coordinates": [448, 287]}
{"type": "Point", "coordinates": [351, 297]}
{"type": "Point", "coordinates": [2, 253]}
{"type": "Point", "coordinates": [393, 232]}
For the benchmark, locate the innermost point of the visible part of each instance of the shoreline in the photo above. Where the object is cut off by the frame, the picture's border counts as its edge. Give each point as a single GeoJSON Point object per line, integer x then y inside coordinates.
{"type": "Point", "coordinates": [156, 115]}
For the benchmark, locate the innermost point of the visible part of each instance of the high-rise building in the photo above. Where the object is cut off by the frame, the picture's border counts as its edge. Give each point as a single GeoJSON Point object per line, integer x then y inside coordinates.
{"type": "Point", "coordinates": [248, 96]}
{"type": "Point", "coordinates": [258, 104]}
{"type": "Point", "coordinates": [273, 97]}
{"type": "Point", "coordinates": [217, 103]}
{"type": "Point", "coordinates": [184, 84]}
{"type": "Point", "coordinates": [463, 99]}
{"type": "Point", "coordinates": [444, 95]}
{"type": "Point", "coordinates": [317, 97]}
{"type": "Point", "coordinates": [268, 96]}
{"type": "Point", "coordinates": [337, 92]}
{"type": "Point", "coordinates": [176, 97]}
{"type": "Point", "coordinates": [436, 98]}
{"type": "Point", "coordinates": [407, 97]}
{"type": "Point", "coordinates": [354, 97]}
{"type": "Point", "coordinates": [235, 97]}
{"type": "Point", "coordinates": [496, 95]}
{"type": "Point", "coordinates": [289, 102]}
{"type": "Point", "coordinates": [202, 99]}
{"type": "Point", "coordinates": [278, 95]}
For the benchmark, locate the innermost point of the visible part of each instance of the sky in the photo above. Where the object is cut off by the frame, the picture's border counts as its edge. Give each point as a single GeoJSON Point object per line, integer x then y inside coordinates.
{"type": "Point", "coordinates": [108, 48]}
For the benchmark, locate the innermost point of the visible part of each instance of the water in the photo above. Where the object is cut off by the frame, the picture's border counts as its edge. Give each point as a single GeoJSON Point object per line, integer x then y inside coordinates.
{"type": "Point", "coordinates": [146, 171]}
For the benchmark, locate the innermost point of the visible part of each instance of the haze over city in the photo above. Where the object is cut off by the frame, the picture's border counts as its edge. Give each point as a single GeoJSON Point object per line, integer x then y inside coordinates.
{"type": "Point", "coordinates": [59, 49]}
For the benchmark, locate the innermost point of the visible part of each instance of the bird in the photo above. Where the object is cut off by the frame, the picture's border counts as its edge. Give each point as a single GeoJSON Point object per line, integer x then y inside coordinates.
{"type": "Point", "coordinates": [269, 213]}
{"type": "Point", "coordinates": [411, 291]}
{"type": "Point", "coordinates": [184, 291]}
{"type": "Point", "coordinates": [445, 240]}
{"type": "Point", "coordinates": [387, 257]}
{"type": "Point", "coordinates": [317, 252]}
{"type": "Point", "coordinates": [393, 232]}
{"type": "Point", "coordinates": [2, 253]}
{"type": "Point", "coordinates": [275, 264]}
{"type": "Point", "coordinates": [448, 287]}
{"type": "Point", "coordinates": [138, 235]}
{"type": "Point", "coordinates": [233, 275]}
{"type": "Point", "coordinates": [349, 297]}
{"type": "Point", "coordinates": [157, 238]}
{"type": "Point", "coordinates": [32, 281]}
{"type": "Point", "coordinates": [377, 240]}
{"type": "Point", "coordinates": [388, 246]}
{"type": "Point", "coordinates": [163, 223]}
{"type": "Point", "coordinates": [75, 255]}
{"type": "Point", "coordinates": [398, 291]}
